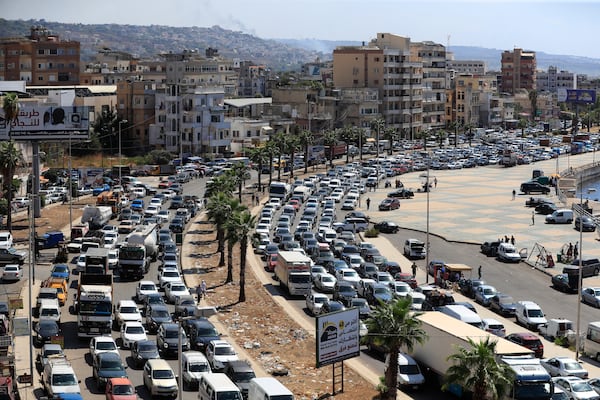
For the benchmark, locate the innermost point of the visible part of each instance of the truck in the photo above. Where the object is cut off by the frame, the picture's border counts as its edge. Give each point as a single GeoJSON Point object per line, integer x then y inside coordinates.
{"type": "Point", "coordinates": [110, 199]}
{"type": "Point", "coordinates": [557, 328]}
{"type": "Point", "coordinates": [79, 230]}
{"type": "Point", "coordinates": [509, 158]}
{"type": "Point", "coordinates": [93, 305]}
{"type": "Point", "coordinates": [335, 151]}
{"type": "Point", "coordinates": [96, 261]}
{"type": "Point", "coordinates": [293, 272]}
{"type": "Point", "coordinates": [96, 216]}
{"type": "Point", "coordinates": [147, 236]}
{"type": "Point", "coordinates": [303, 192]}
{"type": "Point", "coordinates": [133, 263]}
{"type": "Point", "coordinates": [446, 334]}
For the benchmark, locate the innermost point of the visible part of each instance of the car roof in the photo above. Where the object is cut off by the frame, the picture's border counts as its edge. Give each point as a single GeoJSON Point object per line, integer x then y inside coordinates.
{"type": "Point", "coordinates": [524, 335]}
{"type": "Point", "coordinates": [120, 381]}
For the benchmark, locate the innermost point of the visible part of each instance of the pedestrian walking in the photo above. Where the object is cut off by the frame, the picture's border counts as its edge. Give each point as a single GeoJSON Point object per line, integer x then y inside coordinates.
{"type": "Point", "coordinates": [479, 272]}
{"type": "Point", "coordinates": [368, 203]}
{"type": "Point", "coordinates": [533, 218]}
{"type": "Point", "coordinates": [434, 182]}
{"type": "Point", "coordinates": [514, 193]}
{"type": "Point", "coordinates": [512, 240]}
{"type": "Point", "coordinates": [414, 268]}
{"type": "Point", "coordinates": [201, 290]}
{"type": "Point", "coordinates": [575, 250]}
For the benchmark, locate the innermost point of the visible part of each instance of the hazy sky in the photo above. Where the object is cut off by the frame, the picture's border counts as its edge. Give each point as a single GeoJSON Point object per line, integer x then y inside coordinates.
{"type": "Point", "coordinates": [551, 26]}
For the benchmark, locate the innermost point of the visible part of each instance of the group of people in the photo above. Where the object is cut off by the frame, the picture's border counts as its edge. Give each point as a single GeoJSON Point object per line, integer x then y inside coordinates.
{"type": "Point", "coordinates": [506, 239]}
{"type": "Point", "coordinates": [573, 251]}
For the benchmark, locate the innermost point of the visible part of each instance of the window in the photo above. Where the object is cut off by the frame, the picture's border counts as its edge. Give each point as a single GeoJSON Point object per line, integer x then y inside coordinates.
{"type": "Point", "coordinates": [53, 51]}
{"type": "Point", "coordinates": [40, 52]}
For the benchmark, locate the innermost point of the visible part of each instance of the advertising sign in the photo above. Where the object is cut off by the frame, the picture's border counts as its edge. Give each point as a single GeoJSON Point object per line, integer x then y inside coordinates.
{"type": "Point", "coordinates": [337, 336]}
{"type": "Point", "coordinates": [577, 96]}
{"type": "Point", "coordinates": [47, 123]}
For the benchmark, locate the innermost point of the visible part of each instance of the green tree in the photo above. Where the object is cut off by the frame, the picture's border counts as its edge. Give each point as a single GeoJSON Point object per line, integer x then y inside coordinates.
{"type": "Point", "coordinates": [272, 151]}
{"type": "Point", "coordinates": [280, 143]}
{"type": "Point", "coordinates": [378, 125]}
{"type": "Point", "coordinates": [232, 236]}
{"type": "Point", "coordinates": [10, 158]}
{"type": "Point", "coordinates": [238, 174]}
{"type": "Point", "coordinates": [306, 138]}
{"type": "Point", "coordinates": [219, 212]}
{"type": "Point", "coordinates": [330, 139]}
{"type": "Point", "coordinates": [220, 184]}
{"type": "Point", "coordinates": [476, 369]}
{"type": "Point", "coordinates": [259, 156]}
{"type": "Point", "coordinates": [292, 145]}
{"type": "Point", "coordinates": [522, 125]}
{"type": "Point", "coordinates": [394, 326]}
{"type": "Point", "coordinates": [391, 135]}
{"type": "Point", "coordinates": [106, 128]}
{"type": "Point", "coordinates": [347, 135]}
{"type": "Point", "coordinates": [243, 223]}
{"type": "Point", "coordinates": [10, 105]}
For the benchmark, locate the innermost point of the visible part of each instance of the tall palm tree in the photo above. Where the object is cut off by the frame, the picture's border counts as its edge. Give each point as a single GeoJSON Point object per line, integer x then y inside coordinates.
{"type": "Point", "coordinates": [394, 326]}
{"type": "Point", "coordinates": [476, 369]}
{"type": "Point", "coordinates": [391, 135]}
{"type": "Point", "coordinates": [222, 183]}
{"type": "Point", "coordinates": [10, 158]}
{"type": "Point", "coordinates": [272, 151]}
{"type": "Point", "coordinates": [219, 212]}
{"type": "Point", "coordinates": [259, 156]}
{"type": "Point", "coordinates": [292, 145]}
{"type": "Point", "coordinates": [10, 105]}
{"type": "Point", "coordinates": [330, 139]}
{"type": "Point", "coordinates": [244, 223]}
{"type": "Point", "coordinates": [279, 141]}
{"type": "Point", "coordinates": [347, 135]}
{"type": "Point", "coordinates": [232, 236]}
{"type": "Point", "coordinates": [306, 138]}
{"type": "Point", "coordinates": [238, 174]}
{"type": "Point", "coordinates": [378, 125]}
{"type": "Point", "coordinates": [361, 139]}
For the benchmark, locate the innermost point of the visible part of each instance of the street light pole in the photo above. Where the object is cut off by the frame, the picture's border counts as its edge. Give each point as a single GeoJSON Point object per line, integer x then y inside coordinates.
{"type": "Point", "coordinates": [124, 121]}
{"type": "Point", "coordinates": [580, 278]}
{"type": "Point", "coordinates": [70, 189]}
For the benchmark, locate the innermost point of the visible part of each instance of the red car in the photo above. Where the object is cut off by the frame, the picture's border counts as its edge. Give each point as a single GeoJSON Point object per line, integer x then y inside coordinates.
{"type": "Point", "coordinates": [528, 340]}
{"type": "Point", "coordinates": [407, 278]}
{"type": "Point", "coordinates": [120, 389]}
{"type": "Point", "coordinates": [389, 204]}
{"type": "Point", "coordinates": [294, 203]}
{"type": "Point", "coordinates": [271, 262]}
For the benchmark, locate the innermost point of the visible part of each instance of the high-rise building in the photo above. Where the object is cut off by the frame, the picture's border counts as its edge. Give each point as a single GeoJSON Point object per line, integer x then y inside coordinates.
{"type": "Point", "coordinates": [518, 71]}
{"type": "Point", "coordinates": [553, 79]}
{"type": "Point", "coordinates": [41, 59]}
{"type": "Point", "coordinates": [433, 57]}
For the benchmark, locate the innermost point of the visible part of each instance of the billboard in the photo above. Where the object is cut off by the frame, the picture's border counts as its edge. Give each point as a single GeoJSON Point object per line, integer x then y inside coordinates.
{"type": "Point", "coordinates": [43, 122]}
{"type": "Point", "coordinates": [337, 336]}
{"type": "Point", "coordinates": [577, 96]}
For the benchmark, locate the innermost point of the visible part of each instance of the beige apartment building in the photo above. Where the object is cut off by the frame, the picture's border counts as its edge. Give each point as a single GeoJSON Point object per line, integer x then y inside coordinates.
{"type": "Point", "coordinates": [518, 70]}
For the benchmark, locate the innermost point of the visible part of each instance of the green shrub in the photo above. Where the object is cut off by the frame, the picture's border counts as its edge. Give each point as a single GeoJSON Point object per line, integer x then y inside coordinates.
{"type": "Point", "coordinates": [371, 233]}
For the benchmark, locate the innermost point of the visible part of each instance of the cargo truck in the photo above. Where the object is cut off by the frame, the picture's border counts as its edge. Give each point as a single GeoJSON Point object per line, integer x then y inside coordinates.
{"type": "Point", "coordinates": [447, 334]}
{"type": "Point", "coordinates": [133, 263]}
{"type": "Point", "coordinates": [147, 236]}
{"type": "Point", "coordinates": [96, 216]}
{"type": "Point", "coordinates": [93, 305]}
{"type": "Point", "coordinates": [96, 261]}
{"type": "Point", "coordinates": [293, 272]}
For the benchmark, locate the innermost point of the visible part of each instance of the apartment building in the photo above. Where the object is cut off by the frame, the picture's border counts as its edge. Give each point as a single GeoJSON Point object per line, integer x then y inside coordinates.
{"type": "Point", "coordinates": [433, 56]}
{"type": "Point", "coordinates": [471, 100]}
{"type": "Point", "coordinates": [461, 67]}
{"type": "Point", "coordinates": [554, 79]}
{"type": "Point", "coordinates": [252, 79]}
{"type": "Point", "coordinates": [386, 64]}
{"type": "Point", "coordinates": [518, 71]}
{"type": "Point", "coordinates": [40, 59]}
{"type": "Point", "coordinates": [358, 107]}
{"type": "Point", "coordinates": [136, 104]}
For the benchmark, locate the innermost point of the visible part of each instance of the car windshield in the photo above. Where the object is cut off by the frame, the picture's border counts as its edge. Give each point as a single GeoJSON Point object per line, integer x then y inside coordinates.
{"type": "Point", "coordinates": [243, 376]}
{"type": "Point", "coordinates": [198, 367]}
{"type": "Point", "coordinates": [410, 369]}
{"type": "Point", "coordinates": [111, 365]}
{"type": "Point", "coordinates": [49, 312]}
{"type": "Point", "coordinates": [160, 314]}
{"type": "Point", "coordinates": [171, 333]}
{"type": "Point", "coordinates": [147, 287]}
{"type": "Point", "coordinates": [381, 291]}
{"type": "Point", "coordinates": [123, 390]}
{"type": "Point", "coordinates": [162, 374]}
{"type": "Point", "coordinates": [171, 274]}
{"type": "Point", "coordinates": [346, 289]}
{"type": "Point", "coordinates": [135, 329]}
{"type": "Point", "coordinates": [224, 351]}
{"type": "Point", "coordinates": [489, 292]}
{"type": "Point", "coordinates": [105, 346]}
{"type": "Point", "coordinates": [63, 380]}
{"type": "Point", "coordinates": [359, 302]}
{"type": "Point", "coordinates": [147, 347]}
{"type": "Point", "coordinates": [581, 387]}
{"type": "Point", "coordinates": [320, 300]}
{"type": "Point", "coordinates": [129, 310]}
{"type": "Point", "coordinates": [535, 313]}
{"type": "Point", "coordinates": [506, 300]}
{"type": "Point", "coordinates": [326, 278]}
{"type": "Point", "coordinates": [572, 366]}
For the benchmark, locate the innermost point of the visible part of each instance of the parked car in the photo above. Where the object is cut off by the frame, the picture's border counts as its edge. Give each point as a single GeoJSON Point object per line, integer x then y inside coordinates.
{"type": "Point", "coordinates": [389, 204]}
{"type": "Point", "coordinates": [503, 304]}
{"type": "Point", "coordinates": [490, 249]}
{"type": "Point", "coordinates": [575, 387]}
{"type": "Point", "coordinates": [529, 341]}
{"type": "Point", "coordinates": [564, 366]}
{"type": "Point", "coordinates": [565, 283]}
{"type": "Point", "coordinates": [534, 187]}
{"type": "Point", "coordinates": [484, 294]}
{"type": "Point", "coordinates": [401, 194]}
{"type": "Point", "coordinates": [12, 272]}
{"type": "Point", "coordinates": [591, 296]}
{"type": "Point", "coordinates": [585, 224]}
{"type": "Point", "coordinates": [387, 227]}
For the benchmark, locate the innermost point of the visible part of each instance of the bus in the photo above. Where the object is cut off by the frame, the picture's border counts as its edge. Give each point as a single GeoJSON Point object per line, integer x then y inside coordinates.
{"type": "Point", "coordinates": [236, 160]}
{"type": "Point", "coordinates": [280, 190]}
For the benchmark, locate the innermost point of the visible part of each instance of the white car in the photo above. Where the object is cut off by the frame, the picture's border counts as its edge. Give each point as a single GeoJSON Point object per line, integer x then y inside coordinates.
{"type": "Point", "coordinates": [113, 258]}
{"type": "Point", "coordinates": [163, 216]}
{"type": "Point", "coordinates": [494, 326]}
{"type": "Point", "coordinates": [132, 331]}
{"type": "Point", "coordinates": [219, 353]}
{"type": "Point", "coordinates": [325, 282]}
{"type": "Point", "coordinates": [400, 289]}
{"type": "Point", "coordinates": [151, 210]}
{"type": "Point", "coordinates": [348, 275]}
{"type": "Point", "coordinates": [110, 243]}
{"type": "Point", "coordinates": [102, 344]}
{"type": "Point", "coordinates": [275, 202]}
{"type": "Point", "coordinates": [173, 290]}
{"type": "Point", "coordinates": [6, 240]}
{"type": "Point", "coordinates": [12, 272]}
{"type": "Point", "coordinates": [125, 311]}
{"type": "Point", "coordinates": [315, 301]}
{"type": "Point", "coordinates": [109, 228]}
{"type": "Point", "coordinates": [508, 252]}
{"type": "Point", "coordinates": [143, 289]}
{"type": "Point", "coordinates": [168, 274]}
{"type": "Point", "coordinates": [417, 300]}
{"type": "Point", "coordinates": [564, 366]}
{"type": "Point", "coordinates": [263, 228]}
{"type": "Point", "coordinates": [81, 263]}
{"type": "Point", "coordinates": [576, 388]}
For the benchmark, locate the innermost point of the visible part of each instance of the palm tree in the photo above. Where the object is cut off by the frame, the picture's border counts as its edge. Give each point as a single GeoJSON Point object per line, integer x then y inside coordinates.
{"type": "Point", "coordinates": [10, 158]}
{"type": "Point", "coordinates": [272, 151]}
{"type": "Point", "coordinates": [222, 183]}
{"type": "Point", "coordinates": [10, 105]}
{"type": "Point", "coordinates": [330, 139]}
{"type": "Point", "coordinates": [259, 156]}
{"type": "Point", "coordinates": [394, 326]}
{"type": "Point", "coordinates": [238, 174]}
{"type": "Point", "coordinates": [476, 369]}
{"type": "Point", "coordinates": [219, 212]}
{"type": "Point", "coordinates": [533, 97]}
{"type": "Point", "coordinates": [243, 223]}
{"type": "Point", "coordinates": [292, 144]}
{"type": "Point", "coordinates": [232, 236]}
{"type": "Point", "coordinates": [378, 125]}
{"type": "Point", "coordinates": [280, 144]}
{"type": "Point", "coordinates": [306, 138]}
{"type": "Point", "coordinates": [390, 135]}
{"type": "Point", "coordinates": [347, 135]}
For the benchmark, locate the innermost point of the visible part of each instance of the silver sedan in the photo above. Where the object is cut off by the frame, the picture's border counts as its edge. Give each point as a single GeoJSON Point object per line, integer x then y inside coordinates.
{"type": "Point", "coordinates": [591, 296]}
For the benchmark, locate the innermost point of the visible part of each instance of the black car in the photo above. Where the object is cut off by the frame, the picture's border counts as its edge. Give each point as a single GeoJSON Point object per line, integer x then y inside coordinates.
{"type": "Point", "coordinates": [200, 332]}
{"type": "Point", "coordinates": [142, 351]}
{"type": "Point", "coordinates": [176, 202]}
{"type": "Point", "coordinates": [536, 201]}
{"type": "Point", "coordinates": [490, 249]}
{"type": "Point", "coordinates": [503, 304]}
{"type": "Point", "coordinates": [344, 292]}
{"type": "Point", "coordinates": [4, 308]}
{"type": "Point", "coordinates": [402, 194]}
{"type": "Point", "coordinates": [357, 214]}
{"type": "Point", "coordinates": [585, 224]}
{"type": "Point", "coordinates": [177, 224]}
{"type": "Point", "coordinates": [167, 339]}
{"type": "Point", "coordinates": [45, 330]}
{"type": "Point", "coordinates": [387, 227]}
{"type": "Point", "coordinates": [546, 208]}
{"type": "Point", "coordinates": [12, 256]}
{"type": "Point", "coordinates": [105, 366]}
{"type": "Point", "coordinates": [157, 315]}
{"type": "Point", "coordinates": [151, 300]}
{"type": "Point", "coordinates": [240, 372]}
{"type": "Point", "coordinates": [567, 283]}
{"type": "Point", "coordinates": [534, 187]}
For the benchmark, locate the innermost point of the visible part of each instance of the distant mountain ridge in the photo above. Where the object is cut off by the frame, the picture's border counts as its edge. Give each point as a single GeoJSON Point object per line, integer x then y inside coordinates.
{"type": "Point", "coordinates": [147, 41]}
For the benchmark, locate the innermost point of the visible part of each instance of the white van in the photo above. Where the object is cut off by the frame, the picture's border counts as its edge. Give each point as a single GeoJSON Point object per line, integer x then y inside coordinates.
{"type": "Point", "coordinates": [217, 386]}
{"type": "Point", "coordinates": [529, 314]}
{"type": "Point", "coordinates": [592, 340]}
{"type": "Point", "coordinates": [562, 216]}
{"type": "Point", "coordinates": [409, 373]}
{"type": "Point", "coordinates": [463, 314]}
{"type": "Point", "coordinates": [193, 365]}
{"type": "Point", "coordinates": [50, 309]}
{"type": "Point", "coordinates": [268, 389]}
